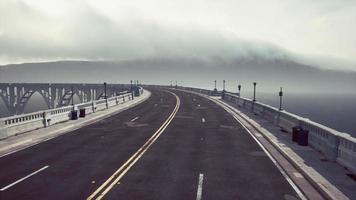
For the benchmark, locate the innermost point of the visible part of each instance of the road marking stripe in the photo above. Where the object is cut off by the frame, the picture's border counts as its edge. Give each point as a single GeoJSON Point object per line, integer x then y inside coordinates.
{"type": "Point", "coordinates": [134, 158]}
{"type": "Point", "coordinates": [20, 180]}
{"type": "Point", "coordinates": [134, 119]}
{"type": "Point", "coordinates": [297, 174]}
{"type": "Point", "coordinates": [274, 161]}
{"type": "Point", "coordinates": [200, 187]}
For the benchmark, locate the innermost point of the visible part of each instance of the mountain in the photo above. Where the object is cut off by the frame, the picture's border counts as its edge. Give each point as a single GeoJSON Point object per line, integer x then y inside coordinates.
{"type": "Point", "coordinates": [270, 74]}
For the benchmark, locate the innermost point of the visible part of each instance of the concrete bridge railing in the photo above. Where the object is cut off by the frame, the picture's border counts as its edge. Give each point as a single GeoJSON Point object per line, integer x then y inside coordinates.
{"type": "Point", "coordinates": [335, 145]}
{"type": "Point", "coordinates": [17, 124]}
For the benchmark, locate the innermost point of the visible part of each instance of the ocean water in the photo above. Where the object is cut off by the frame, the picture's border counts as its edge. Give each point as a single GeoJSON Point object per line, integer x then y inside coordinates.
{"type": "Point", "coordinates": [335, 111]}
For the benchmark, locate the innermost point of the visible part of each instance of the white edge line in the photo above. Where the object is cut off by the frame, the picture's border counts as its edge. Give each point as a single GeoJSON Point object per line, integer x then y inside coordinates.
{"type": "Point", "coordinates": [290, 181]}
{"type": "Point", "coordinates": [28, 176]}
{"type": "Point", "coordinates": [200, 187]}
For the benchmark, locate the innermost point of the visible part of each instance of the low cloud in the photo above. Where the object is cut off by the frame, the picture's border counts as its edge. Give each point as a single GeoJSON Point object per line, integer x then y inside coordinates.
{"type": "Point", "coordinates": [86, 33]}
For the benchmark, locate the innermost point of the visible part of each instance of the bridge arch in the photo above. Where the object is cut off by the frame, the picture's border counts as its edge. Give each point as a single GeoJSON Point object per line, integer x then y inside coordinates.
{"type": "Point", "coordinates": [4, 105]}
{"type": "Point", "coordinates": [25, 98]}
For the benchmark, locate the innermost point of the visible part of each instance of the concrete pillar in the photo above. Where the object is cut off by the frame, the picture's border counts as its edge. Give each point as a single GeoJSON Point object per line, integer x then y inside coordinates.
{"type": "Point", "coordinates": [47, 118]}
{"type": "Point", "coordinates": [93, 106]}
{"type": "Point", "coordinates": [3, 130]}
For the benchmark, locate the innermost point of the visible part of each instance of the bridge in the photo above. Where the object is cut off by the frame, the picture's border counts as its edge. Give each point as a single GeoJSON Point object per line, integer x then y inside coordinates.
{"type": "Point", "coordinates": [17, 95]}
{"type": "Point", "coordinates": [172, 143]}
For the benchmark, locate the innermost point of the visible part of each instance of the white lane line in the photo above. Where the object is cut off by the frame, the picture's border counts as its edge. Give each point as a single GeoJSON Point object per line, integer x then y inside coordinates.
{"type": "Point", "coordinates": [134, 119]}
{"type": "Point", "coordinates": [203, 120]}
{"type": "Point", "coordinates": [200, 187]}
{"type": "Point", "coordinates": [28, 176]}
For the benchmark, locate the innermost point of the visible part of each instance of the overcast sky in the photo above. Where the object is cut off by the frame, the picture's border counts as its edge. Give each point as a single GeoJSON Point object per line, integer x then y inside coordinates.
{"type": "Point", "coordinates": [41, 30]}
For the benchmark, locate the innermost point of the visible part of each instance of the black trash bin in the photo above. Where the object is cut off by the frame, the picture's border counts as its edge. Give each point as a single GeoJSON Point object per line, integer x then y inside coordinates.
{"type": "Point", "coordinates": [82, 112]}
{"type": "Point", "coordinates": [303, 138]}
{"type": "Point", "coordinates": [295, 133]}
{"type": "Point", "coordinates": [74, 115]}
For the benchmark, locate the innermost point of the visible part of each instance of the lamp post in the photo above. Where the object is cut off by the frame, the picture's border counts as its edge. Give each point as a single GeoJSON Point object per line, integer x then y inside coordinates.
{"type": "Point", "coordinates": [223, 85]}
{"type": "Point", "coordinates": [215, 86]}
{"type": "Point", "coordinates": [72, 96]}
{"type": "Point", "coordinates": [105, 90]}
{"type": "Point", "coordinates": [280, 99]}
{"type": "Point", "coordinates": [239, 87]}
{"type": "Point", "coordinates": [254, 91]}
{"type": "Point", "coordinates": [132, 96]}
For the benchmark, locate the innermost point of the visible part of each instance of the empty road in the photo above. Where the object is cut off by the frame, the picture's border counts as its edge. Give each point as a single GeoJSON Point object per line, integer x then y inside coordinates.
{"type": "Point", "coordinates": [175, 145]}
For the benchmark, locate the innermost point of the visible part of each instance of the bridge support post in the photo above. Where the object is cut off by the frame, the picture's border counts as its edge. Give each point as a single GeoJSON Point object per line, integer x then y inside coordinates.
{"type": "Point", "coordinates": [93, 106]}
{"type": "Point", "coordinates": [3, 130]}
{"type": "Point", "coordinates": [47, 118]}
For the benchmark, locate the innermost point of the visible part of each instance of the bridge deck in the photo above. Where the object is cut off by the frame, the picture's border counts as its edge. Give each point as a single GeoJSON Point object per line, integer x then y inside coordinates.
{"type": "Point", "coordinates": [202, 154]}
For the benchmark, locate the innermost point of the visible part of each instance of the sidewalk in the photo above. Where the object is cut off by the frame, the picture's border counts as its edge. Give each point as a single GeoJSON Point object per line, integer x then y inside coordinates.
{"type": "Point", "coordinates": [330, 177]}
{"type": "Point", "coordinates": [31, 138]}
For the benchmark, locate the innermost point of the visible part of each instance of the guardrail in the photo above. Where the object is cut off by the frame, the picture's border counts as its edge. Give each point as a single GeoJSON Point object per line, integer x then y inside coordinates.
{"type": "Point", "coordinates": [334, 145]}
{"type": "Point", "coordinates": [17, 124]}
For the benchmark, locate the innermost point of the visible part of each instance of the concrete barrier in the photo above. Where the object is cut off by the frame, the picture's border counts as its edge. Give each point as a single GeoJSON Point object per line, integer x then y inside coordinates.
{"type": "Point", "coordinates": [334, 145]}
{"type": "Point", "coordinates": [347, 152]}
{"type": "Point", "coordinates": [17, 124]}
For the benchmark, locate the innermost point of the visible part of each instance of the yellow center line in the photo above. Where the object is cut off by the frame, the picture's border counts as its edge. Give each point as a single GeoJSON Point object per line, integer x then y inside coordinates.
{"type": "Point", "coordinates": [134, 158]}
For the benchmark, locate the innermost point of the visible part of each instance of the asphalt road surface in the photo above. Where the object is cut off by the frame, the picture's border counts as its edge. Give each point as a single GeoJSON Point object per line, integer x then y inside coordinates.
{"type": "Point", "coordinates": [173, 146]}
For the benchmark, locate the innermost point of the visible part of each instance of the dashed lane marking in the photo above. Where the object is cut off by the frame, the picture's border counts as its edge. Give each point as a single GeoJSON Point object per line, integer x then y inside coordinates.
{"type": "Point", "coordinates": [22, 179]}
{"type": "Point", "coordinates": [134, 119]}
{"type": "Point", "coordinates": [200, 187]}
{"type": "Point", "coordinates": [203, 120]}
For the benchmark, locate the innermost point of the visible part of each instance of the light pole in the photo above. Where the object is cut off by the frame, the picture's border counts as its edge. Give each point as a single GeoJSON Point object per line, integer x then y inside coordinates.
{"type": "Point", "coordinates": [223, 85]}
{"type": "Point", "coordinates": [131, 89]}
{"type": "Point", "coordinates": [239, 87]}
{"type": "Point", "coordinates": [280, 99]}
{"type": "Point", "coordinates": [72, 96]}
{"type": "Point", "coordinates": [215, 86]}
{"type": "Point", "coordinates": [254, 91]}
{"type": "Point", "coordinates": [105, 90]}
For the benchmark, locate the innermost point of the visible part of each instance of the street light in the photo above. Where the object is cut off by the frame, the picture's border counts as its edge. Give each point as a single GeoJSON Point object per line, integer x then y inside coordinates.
{"type": "Point", "coordinates": [72, 95]}
{"type": "Point", "coordinates": [215, 86]}
{"type": "Point", "coordinates": [239, 87]}
{"type": "Point", "coordinates": [131, 89]}
{"type": "Point", "coordinates": [223, 85]}
{"type": "Point", "coordinates": [105, 90]}
{"type": "Point", "coordinates": [280, 99]}
{"type": "Point", "coordinates": [254, 91]}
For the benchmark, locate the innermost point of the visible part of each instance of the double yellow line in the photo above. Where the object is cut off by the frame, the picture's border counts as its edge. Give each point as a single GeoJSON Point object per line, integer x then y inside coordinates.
{"type": "Point", "coordinates": [115, 178]}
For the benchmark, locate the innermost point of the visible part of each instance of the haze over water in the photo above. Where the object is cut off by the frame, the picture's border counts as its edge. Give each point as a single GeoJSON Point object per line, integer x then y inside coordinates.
{"type": "Point", "coordinates": [335, 111]}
